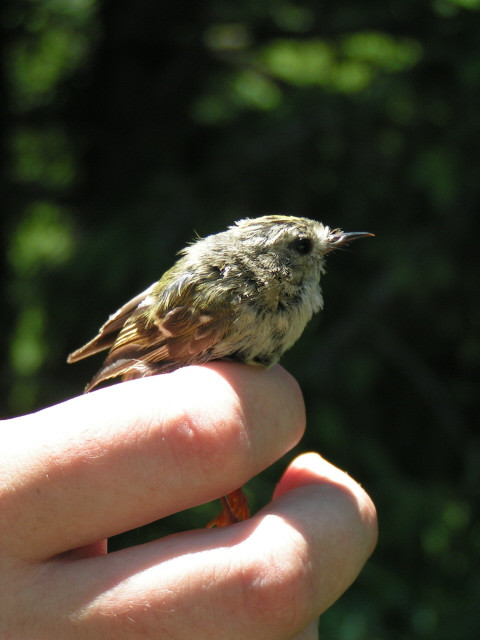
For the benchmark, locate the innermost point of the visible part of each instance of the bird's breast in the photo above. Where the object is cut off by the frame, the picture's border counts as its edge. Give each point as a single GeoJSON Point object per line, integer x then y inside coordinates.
{"type": "Point", "coordinates": [264, 329]}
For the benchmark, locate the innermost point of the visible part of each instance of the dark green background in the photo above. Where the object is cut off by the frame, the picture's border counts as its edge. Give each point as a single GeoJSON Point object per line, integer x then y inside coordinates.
{"type": "Point", "coordinates": [128, 126]}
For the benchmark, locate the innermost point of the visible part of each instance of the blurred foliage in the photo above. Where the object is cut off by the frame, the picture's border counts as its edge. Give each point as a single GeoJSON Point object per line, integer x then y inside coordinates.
{"type": "Point", "coordinates": [127, 127]}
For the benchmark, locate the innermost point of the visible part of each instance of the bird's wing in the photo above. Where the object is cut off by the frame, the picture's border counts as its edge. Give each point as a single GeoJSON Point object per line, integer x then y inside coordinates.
{"type": "Point", "coordinates": [108, 333]}
{"type": "Point", "coordinates": [159, 344]}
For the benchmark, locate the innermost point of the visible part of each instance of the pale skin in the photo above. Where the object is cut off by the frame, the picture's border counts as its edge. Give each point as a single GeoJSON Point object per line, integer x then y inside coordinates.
{"type": "Point", "coordinates": [79, 472]}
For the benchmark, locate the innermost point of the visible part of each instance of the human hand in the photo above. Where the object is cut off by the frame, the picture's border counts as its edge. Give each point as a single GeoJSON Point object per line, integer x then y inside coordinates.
{"type": "Point", "coordinates": [106, 462]}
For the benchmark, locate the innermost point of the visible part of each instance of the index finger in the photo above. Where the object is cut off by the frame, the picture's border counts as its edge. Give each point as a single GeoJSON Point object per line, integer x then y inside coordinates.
{"type": "Point", "coordinates": [129, 454]}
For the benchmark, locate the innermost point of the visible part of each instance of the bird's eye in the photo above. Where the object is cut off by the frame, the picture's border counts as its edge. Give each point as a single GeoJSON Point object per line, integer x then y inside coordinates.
{"type": "Point", "coordinates": [302, 245]}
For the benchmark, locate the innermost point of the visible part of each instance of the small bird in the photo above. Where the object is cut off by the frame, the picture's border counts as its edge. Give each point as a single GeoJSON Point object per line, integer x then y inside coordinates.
{"type": "Point", "coordinates": [245, 294]}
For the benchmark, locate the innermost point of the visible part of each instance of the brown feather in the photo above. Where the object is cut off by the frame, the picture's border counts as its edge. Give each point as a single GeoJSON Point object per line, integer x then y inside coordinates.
{"type": "Point", "coordinates": [108, 333]}
{"type": "Point", "coordinates": [183, 336]}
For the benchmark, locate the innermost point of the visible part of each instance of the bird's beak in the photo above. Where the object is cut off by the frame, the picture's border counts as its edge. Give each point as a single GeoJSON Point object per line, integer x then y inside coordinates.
{"type": "Point", "coordinates": [338, 238]}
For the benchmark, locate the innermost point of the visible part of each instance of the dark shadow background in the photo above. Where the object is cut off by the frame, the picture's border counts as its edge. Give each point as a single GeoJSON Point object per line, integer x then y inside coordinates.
{"type": "Point", "coordinates": [126, 127]}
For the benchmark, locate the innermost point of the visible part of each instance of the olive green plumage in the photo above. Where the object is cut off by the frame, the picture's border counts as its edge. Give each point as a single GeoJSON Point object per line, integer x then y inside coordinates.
{"type": "Point", "coordinates": [245, 294]}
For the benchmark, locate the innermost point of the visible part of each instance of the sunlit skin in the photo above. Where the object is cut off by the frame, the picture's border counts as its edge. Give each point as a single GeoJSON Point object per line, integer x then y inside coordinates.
{"type": "Point", "coordinates": [82, 471]}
